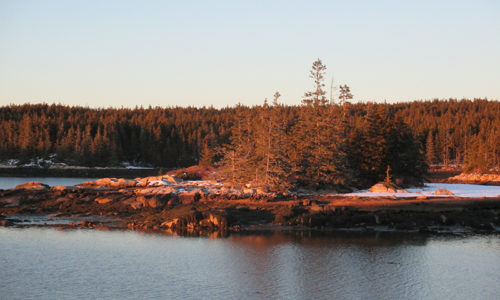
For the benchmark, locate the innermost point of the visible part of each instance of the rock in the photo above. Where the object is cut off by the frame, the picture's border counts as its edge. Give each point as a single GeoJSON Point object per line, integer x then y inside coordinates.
{"type": "Point", "coordinates": [103, 200]}
{"type": "Point", "coordinates": [123, 183]}
{"type": "Point", "coordinates": [131, 201]}
{"type": "Point", "coordinates": [170, 223]}
{"type": "Point", "coordinates": [63, 188]}
{"type": "Point", "coordinates": [443, 192]}
{"type": "Point", "coordinates": [155, 202]}
{"type": "Point", "coordinates": [141, 182]}
{"type": "Point", "coordinates": [164, 190]}
{"type": "Point", "coordinates": [86, 184]}
{"type": "Point", "coordinates": [143, 201]}
{"type": "Point", "coordinates": [172, 179]}
{"type": "Point", "coordinates": [476, 178]}
{"type": "Point", "coordinates": [249, 192]}
{"type": "Point", "coordinates": [33, 185]}
{"type": "Point", "coordinates": [381, 188]}
{"type": "Point", "coordinates": [105, 182]}
{"type": "Point", "coordinates": [190, 196]}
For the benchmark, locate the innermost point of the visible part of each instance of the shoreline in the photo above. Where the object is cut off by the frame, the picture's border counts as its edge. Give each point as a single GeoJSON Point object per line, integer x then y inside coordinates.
{"type": "Point", "coordinates": [210, 208]}
{"type": "Point", "coordinates": [262, 229]}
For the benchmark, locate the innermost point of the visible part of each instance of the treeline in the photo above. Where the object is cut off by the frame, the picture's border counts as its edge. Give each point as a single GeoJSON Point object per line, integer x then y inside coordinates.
{"type": "Point", "coordinates": [162, 137]}
{"type": "Point", "coordinates": [320, 144]}
{"type": "Point", "coordinates": [317, 143]}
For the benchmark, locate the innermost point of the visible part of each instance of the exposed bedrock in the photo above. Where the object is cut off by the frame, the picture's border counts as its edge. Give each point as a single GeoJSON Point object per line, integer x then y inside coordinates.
{"type": "Point", "coordinates": [194, 206]}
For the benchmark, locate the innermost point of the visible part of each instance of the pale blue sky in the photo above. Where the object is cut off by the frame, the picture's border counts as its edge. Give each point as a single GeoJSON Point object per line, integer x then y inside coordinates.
{"type": "Point", "coordinates": [167, 53]}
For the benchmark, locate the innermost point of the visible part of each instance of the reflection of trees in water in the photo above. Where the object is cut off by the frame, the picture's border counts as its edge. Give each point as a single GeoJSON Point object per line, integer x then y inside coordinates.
{"type": "Point", "coordinates": [313, 264]}
{"type": "Point", "coordinates": [311, 238]}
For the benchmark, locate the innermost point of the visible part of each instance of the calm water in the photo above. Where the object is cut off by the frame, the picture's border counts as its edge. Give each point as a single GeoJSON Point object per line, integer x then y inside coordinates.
{"type": "Point", "coordinates": [11, 182]}
{"type": "Point", "coordinates": [84, 264]}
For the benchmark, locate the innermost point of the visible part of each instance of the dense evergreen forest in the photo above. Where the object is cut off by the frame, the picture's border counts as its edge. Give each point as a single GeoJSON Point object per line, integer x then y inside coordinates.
{"type": "Point", "coordinates": [317, 143]}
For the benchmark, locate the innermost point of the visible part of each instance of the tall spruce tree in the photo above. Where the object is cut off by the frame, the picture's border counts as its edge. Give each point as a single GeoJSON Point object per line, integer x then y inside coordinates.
{"type": "Point", "coordinates": [315, 136]}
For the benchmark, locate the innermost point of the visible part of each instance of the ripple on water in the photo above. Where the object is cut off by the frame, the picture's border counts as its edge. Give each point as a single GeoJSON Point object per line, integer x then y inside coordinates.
{"type": "Point", "coordinates": [41, 263]}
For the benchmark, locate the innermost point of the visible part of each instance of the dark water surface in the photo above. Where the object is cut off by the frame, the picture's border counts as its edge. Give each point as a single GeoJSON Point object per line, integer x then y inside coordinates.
{"type": "Point", "coordinates": [41, 263]}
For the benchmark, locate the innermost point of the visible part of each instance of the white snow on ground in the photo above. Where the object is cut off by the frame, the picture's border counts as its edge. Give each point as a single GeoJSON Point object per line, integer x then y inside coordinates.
{"type": "Point", "coordinates": [138, 167]}
{"type": "Point", "coordinates": [460, 190]}
{"type": "Point", "coordinates": [129, 165]}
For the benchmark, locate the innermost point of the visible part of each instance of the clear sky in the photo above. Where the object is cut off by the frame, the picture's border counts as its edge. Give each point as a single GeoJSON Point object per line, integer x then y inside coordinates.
{"type": "Point", "coordinates": [169, 53]}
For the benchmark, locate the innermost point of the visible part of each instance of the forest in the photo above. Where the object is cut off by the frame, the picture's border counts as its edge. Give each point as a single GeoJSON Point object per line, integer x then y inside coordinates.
{"type": "Point", "coordinates": [316, 143]}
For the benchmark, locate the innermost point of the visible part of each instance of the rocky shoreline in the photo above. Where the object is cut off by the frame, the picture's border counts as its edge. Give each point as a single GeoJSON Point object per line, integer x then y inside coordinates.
{"type": "Point", "coordinates": [486, 179]}
{"type": "Point", "coordinates": [169, 204]}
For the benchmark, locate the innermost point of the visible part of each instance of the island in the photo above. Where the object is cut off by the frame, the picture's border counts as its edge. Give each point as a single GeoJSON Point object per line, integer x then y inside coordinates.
{"type": "Point", "coordinates": [167, 203]}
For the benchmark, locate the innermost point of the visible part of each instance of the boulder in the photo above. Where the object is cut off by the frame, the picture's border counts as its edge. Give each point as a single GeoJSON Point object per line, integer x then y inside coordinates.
{"type": "Point", "coordinates": [103, 200]}
{"type": "Point", "coordinates": [443, 192]}
{"type": "Point", "coordinates": [249, 192]}
{"type": "Point", "coordinates": [63, 188]}
{"type": "Point", "coordinates": [33, 185]}
{"type": "Point", "coordinates": [105, 181]}
{"type": "Point", "coordinates": [381, 188]}
{"type": "Point", "coordinates": [86, 184]}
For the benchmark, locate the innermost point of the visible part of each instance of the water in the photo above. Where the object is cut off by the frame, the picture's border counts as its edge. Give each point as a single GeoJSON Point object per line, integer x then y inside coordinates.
{"type": "Point", "coordinates": [41, 263]}
{"type": "Point", "coordinates": [11, 182]}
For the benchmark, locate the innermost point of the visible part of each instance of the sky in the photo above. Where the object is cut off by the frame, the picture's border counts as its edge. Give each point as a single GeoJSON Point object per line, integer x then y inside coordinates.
{"type": "Point", "coordinates": [220, 53]}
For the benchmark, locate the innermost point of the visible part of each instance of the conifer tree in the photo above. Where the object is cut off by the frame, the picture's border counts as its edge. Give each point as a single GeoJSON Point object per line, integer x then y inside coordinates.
{"type": "Point", "coordinates": [314, 134]}
{"type": "Point", "coordinates": [345, 94]}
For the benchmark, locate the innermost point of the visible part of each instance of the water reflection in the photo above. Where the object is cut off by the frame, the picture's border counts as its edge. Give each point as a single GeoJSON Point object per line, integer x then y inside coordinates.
{"type": "Point", "coordinates": [47, 264]}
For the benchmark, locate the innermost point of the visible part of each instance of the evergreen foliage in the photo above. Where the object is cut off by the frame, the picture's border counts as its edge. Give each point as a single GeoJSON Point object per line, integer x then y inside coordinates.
{"type": "Point", "coordinates": [316, 144]}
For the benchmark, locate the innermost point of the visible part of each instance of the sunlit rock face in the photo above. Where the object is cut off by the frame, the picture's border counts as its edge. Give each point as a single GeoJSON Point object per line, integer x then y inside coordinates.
{"type": "Point", "coordinates": [381, 188]}
{"type": "Point", "coordinates": [476, 178]}
{"type": "Point", "coordinates": [33, 186]}
{"type": "Point", "coordinates": [443, 192]}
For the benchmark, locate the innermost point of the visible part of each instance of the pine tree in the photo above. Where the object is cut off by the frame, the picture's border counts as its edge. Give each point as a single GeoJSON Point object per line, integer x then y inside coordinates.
{"type": "Point", "coordinates": [345, 94]}
{"type": "Point", "coordinates": [314, 134]}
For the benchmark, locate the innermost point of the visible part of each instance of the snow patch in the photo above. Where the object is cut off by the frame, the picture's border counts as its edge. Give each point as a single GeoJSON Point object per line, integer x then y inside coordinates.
{"type": "Point", "coordinates": [458, 190]}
